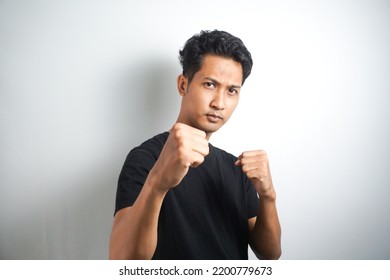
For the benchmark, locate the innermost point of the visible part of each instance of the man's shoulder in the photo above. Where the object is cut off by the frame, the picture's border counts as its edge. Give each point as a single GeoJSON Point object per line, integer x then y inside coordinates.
{"type": "Point", "coordinates": [152, 146]}
{"type": "Point", "coordinates": [224, 154]}
{"type": "Point", "coordinates": [157, 140]}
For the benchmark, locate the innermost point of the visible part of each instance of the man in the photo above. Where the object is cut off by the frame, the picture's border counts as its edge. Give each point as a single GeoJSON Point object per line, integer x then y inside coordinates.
{"type": "Point", "coordinates": [178, 196]}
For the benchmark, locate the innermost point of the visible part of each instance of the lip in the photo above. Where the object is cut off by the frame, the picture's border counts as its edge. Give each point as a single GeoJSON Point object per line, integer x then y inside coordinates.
{"type": "Point", "coordinates": [214, 118]}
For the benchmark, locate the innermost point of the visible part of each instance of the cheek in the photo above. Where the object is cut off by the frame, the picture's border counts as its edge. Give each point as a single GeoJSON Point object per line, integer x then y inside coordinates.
{"type": "Point", "coordinates": [232, 105]}
{"type": "Point", "coordinates": [228, 113]}
{"type": "Point", "coordinates": [205, 100]}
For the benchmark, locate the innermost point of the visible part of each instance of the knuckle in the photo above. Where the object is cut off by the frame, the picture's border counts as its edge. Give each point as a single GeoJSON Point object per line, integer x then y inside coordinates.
{"type": "Point", "coordinates": [175, 127]}
{"type": "Point", "coordinates": [263, 154]}
{"type": "Point", "coordinates": [196, 160]}
{"type": "Point", "coordinates": [178, 125]}
{"type": "Point", "coordinates": [206, 150]}
{"type": "Point", "coordinates": [245, 168]}
{"type": "Point", "coordinates": [179, 136]}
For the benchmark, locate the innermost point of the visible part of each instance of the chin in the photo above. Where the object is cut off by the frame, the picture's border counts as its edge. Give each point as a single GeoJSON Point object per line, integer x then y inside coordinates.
{"type": "Point", "coordinates": [211, 128]}
{"type": "Point", "coordinates": [208, 127]}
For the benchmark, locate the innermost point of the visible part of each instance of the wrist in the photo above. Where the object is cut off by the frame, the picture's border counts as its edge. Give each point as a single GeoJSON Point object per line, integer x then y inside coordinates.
{"type": "Point", "coordinates": [155, 184]}
{"type": "Point", "coordinates": [265, 189]}
{"type": "Point", "coordinates": [268, 194]}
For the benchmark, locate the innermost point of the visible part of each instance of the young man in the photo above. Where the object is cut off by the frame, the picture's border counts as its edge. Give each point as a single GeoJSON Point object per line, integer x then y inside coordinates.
{"type": "Point", "coordinates": [178, 196]}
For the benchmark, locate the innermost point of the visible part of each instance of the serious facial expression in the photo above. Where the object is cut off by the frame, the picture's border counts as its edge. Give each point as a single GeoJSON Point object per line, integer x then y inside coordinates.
{"type": "Point", "coordinates": [210, 98]}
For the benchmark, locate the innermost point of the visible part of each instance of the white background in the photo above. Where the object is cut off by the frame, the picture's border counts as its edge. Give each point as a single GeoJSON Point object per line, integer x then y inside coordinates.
{"type": "Point", "coordinates": [82, 82]}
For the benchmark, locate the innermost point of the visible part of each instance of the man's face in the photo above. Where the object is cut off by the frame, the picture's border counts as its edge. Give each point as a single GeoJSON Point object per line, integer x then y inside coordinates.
{"type": "Point", "coordinates": [210, 98]}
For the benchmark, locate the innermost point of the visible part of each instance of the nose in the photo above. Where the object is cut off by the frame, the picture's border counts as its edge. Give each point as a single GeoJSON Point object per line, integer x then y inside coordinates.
{"type": "Point", "coordinates": [218, 101]}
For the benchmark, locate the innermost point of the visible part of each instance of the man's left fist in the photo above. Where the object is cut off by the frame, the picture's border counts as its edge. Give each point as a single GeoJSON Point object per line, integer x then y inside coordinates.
{"type": "Point", "coordinates": [255, 165]}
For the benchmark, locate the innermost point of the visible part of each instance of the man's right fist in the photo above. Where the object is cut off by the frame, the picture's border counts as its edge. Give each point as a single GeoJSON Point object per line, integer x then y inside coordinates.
{"type": "Point", "coordinates": [185, 147]}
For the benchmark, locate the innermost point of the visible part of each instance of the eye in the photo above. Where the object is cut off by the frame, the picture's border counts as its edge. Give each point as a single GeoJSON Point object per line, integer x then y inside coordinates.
{"type": "Point", "coordinates": [233, 91]}
{"type": "Point", "coordinates": [209, 85]}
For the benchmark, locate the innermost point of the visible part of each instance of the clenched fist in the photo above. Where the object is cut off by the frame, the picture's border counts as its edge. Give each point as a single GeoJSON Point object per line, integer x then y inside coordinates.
{"type": "Point", "coordinates": [255, 165]}
{"type": "Point", "coordinates": [185, 147]}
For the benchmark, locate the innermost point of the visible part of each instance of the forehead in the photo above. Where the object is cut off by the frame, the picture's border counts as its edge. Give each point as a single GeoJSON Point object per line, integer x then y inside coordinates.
{"type": "Point", "coordinates": [222, 69]}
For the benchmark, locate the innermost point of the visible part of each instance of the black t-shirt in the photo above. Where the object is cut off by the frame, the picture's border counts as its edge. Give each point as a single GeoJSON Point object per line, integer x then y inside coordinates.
{"type": "Point", "coordinates": [206, 215]}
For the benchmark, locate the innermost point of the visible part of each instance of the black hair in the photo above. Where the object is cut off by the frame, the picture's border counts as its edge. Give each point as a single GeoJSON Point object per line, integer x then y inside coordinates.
{"type": "Point", "coordinates": [218, 43]}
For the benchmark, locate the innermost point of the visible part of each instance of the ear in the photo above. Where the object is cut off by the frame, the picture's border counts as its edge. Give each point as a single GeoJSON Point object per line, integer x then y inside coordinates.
{"type": "Point", "coordinates": [182, 84]}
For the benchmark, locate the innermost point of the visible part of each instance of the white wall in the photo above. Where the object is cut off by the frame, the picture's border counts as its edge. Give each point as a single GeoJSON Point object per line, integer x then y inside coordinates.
{"type": "Point", "coordinates": [82, 82]}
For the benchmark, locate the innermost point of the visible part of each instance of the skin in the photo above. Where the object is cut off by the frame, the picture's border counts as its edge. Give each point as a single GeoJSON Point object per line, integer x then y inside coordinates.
{"type": "Point", "coordinates": [208, 101]}
{"type": "Point", "coordinates": [213, 95]}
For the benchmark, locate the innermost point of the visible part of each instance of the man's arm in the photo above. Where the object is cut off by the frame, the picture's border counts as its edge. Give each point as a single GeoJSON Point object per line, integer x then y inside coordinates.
{"type": "Point", "coordinates": [134, 230]}
{"type": "Point", "coordinates": [264, 230]}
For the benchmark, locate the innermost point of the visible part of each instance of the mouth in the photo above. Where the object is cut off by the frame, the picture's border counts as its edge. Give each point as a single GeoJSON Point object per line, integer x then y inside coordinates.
{"type": "Point", "coordinates": [214, 118]}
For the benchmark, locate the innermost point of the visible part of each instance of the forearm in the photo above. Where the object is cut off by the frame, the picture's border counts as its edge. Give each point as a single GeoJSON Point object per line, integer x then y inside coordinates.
{"type": "Point", "coordinates": [134, 232]}
{"type": "Point", "coordinates": [265, 237]}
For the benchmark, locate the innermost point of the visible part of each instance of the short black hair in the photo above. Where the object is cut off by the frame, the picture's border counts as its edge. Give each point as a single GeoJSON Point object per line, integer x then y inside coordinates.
{"type": "Point", "coordinates": [214, 42]}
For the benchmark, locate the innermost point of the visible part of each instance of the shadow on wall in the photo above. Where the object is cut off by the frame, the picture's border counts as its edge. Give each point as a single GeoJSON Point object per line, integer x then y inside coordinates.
{"type": "Point", "coordinates": [71, 215]}
{"type": "Point", "coordinates": [148, 99]}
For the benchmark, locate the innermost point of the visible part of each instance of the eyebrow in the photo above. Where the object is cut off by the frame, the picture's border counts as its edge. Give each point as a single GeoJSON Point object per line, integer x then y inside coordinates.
{"type": "Point", "coordinates": [218, 83]}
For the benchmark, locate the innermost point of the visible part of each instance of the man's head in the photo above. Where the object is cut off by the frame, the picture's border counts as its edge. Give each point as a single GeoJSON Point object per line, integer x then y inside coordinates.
{"type": "Point", "coordinates": [215, 66]}
{"type": "Point", "coordinates": [219, 43]}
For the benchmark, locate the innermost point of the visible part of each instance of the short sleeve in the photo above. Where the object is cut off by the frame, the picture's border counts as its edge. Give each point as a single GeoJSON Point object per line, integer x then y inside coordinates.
{"type": "Point", "coordinates": [133, 176]}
